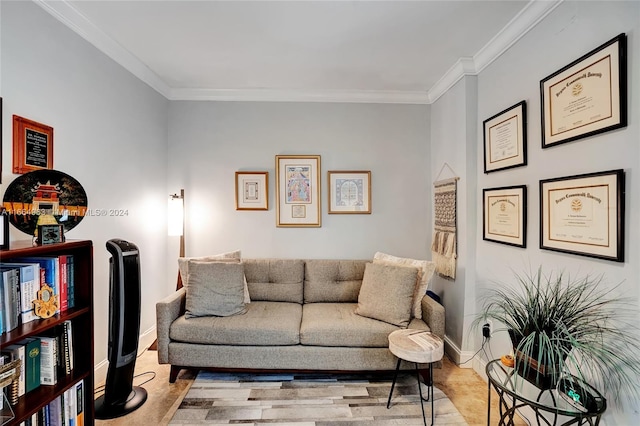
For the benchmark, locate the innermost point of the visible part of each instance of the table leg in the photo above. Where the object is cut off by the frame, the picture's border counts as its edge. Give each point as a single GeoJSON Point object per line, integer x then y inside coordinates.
{"type": "Point", "coordinates": [424, 418]}
{"type": "Point", "coordinates": [393, 384]}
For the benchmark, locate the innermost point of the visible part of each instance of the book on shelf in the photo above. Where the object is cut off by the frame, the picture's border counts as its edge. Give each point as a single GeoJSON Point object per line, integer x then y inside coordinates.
{"type": "Point", "coordinates": [79, 387]}
{"type": "Point", "coordinates": [71, 281]}
{"type": "Point", "coordinates": [48, 365]}
{"type": "Point", "coordinates": [55, 412]}
{"type": "Point", "coordinates": [32, 362]}
{"type": "Point", "coordinates": [29, 284]}
{"type": "Point", "coordinates": [66, 409]}
{"type": "Point", "coordinates": [51, 267]}
{"type": "Point", "coordinates": [10, 283]}
{"type": "Point", "coordinates": [63, 284]}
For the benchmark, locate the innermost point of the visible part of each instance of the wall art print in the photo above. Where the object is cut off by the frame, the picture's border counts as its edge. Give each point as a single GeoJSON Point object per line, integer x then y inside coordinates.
{"type": "Point", "coordinates": [298, 191]}
{"type": "Point", "coordinates": [349, 192]}
{"type": "Point", "coordinates": [45, 197]}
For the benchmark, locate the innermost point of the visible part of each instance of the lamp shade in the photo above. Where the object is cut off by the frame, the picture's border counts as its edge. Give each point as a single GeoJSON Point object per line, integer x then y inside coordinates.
{"type": "Point", "coordinates": [175, 215]}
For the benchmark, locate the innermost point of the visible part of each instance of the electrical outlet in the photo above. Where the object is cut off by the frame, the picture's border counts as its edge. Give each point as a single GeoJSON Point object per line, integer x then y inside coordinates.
{"type": "Point", "coordinates": [486, 329]}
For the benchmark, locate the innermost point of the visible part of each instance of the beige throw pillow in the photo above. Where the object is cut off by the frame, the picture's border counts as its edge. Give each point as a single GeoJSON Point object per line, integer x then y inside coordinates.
{"type": "Point", "coordinates": [232, 256]}
{"type": "Point", "coordinates": [214, 289]}
{"type": "Point", "coordinates": [425, 272]}
{"type": "Point", "coordinates": [386, 293]}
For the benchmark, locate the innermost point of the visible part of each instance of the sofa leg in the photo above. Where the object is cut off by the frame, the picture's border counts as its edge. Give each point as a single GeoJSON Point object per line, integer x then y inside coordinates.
{"type": "Point", "coordinates": [173, 374]}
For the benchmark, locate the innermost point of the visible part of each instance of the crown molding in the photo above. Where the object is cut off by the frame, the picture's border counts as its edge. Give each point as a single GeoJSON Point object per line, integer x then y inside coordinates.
{"type": "Point", "coordinates": [521, 24]}
{"type": "Point", "coordinates": [64, 12]}
{"type": "Point", "coordinates": [526, 19]}
{"type": "Point", "coordinates": [278, 95]}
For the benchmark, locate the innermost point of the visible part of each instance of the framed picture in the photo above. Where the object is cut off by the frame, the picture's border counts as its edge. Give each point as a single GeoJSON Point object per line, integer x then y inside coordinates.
{"type": "Point", "coordinates": [505, 215]}
{"type": "Point", "coordinates": [252, 190]}
{"type": "Point", "coordinates": [298, 191]}
{"type": "Point", "coordinates": [50, 234]}
{"type": "Point", "coordinates": [349, 192]}
{"type": "Point", "coordinates": [505, 139]}
{"type": "Point", "coordinates": [588, 96]}
{"type": "Point", "coordinates": [32, 145]}
{"type": "Point", "coordinates": [584, 215]}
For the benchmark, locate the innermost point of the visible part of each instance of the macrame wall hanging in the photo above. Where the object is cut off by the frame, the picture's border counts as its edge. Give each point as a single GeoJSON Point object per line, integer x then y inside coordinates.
{"type": "Point", "coordinates": [443, 247]}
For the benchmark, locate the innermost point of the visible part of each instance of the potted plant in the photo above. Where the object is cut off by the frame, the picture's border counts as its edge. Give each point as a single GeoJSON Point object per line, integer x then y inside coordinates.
{"type": "Point", "coordinates": [561, 325]}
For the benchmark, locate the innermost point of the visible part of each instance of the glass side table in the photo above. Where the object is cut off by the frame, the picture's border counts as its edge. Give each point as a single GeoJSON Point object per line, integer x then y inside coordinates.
{"type": "Point", "coordinates": [548, 406]}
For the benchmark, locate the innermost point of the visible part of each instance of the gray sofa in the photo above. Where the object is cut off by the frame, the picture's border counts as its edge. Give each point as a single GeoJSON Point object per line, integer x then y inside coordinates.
{"type": "Point", "coordinates": [301, 317]}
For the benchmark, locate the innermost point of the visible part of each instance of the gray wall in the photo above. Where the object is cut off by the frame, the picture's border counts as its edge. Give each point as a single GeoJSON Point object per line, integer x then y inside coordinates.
{"type": "Point", "coordinates": [209, 141]}
{"type": "Point", "coordinates": [453, 142]}
{"type": "Point", "coordinates": [110, 133]}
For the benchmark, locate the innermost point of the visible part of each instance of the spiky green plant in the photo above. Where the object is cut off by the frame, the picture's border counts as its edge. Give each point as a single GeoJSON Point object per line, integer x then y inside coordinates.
{"type": "Point", "coordinates": [570, 325]}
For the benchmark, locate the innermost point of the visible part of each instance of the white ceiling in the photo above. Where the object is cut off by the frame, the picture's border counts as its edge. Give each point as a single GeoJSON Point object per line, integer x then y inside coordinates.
{"type": "Point", "coordinates": [347, 51]}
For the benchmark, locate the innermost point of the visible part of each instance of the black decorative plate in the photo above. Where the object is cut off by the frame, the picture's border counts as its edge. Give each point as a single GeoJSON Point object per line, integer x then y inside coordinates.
{"type": "Point", "coordinates": [48, 196]}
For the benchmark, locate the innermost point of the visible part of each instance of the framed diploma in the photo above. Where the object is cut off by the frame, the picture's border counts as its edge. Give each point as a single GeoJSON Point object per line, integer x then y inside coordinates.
{"type": "Point", "coordinates": [505, 215]}
{"type": "Point", "coordinates": [349, 192]}
{"type": "Point", "coordinates": [584, 215]}
{"type": "Point", "coordinates": [505, 139]}
{"type": "Point", "coordinates": [32, 146]}
{"type": "Point", "coordinates": [252, 190]}
{"type": "Point", "coordinates": [298, 191]}
{"type": "Point", "coordinates": [588, 96]}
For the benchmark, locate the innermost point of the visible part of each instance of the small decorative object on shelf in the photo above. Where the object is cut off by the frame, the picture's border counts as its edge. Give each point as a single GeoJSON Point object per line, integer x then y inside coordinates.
{"type": "Point", "coordinates": [50, 234]}
{"type": "Point", "coordinates": [47, 302]}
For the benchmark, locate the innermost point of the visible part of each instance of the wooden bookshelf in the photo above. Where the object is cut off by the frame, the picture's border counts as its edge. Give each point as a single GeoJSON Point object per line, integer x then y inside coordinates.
{"type": "Point", "coordinates": [82, 324]}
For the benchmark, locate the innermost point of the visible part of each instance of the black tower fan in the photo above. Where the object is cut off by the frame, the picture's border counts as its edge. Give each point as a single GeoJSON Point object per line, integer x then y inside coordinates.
{"type": "Point", "coordinates": [120, 396]}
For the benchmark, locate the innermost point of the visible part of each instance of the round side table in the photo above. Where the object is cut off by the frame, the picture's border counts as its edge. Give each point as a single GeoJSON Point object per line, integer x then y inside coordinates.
{"type": "Point", "coordinates": [417, 346]}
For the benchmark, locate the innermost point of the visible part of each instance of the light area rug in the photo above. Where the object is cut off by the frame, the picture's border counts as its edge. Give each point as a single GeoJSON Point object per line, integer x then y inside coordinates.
{"type": "Point", "coordinates": [309, 400]}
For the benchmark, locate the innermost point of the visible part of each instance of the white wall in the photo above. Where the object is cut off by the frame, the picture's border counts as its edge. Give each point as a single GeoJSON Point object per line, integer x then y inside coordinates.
{"type": "Point", "coordinates": [573, 29]}
{"type": "Point", "coordinates": [110, 133]}
{"type": "Point", "coordinates": [210, 141]}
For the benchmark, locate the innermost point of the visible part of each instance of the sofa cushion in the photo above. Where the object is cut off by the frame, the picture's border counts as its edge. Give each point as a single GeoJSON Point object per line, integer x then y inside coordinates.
{"type": "Point", "coordinates": [337, 324]}
{"type": "Point", "coordinates": [275, 280]}
{"type": "Point", "coordinates": [333, 280]}
{"type": "Point", "coordinates": [387, 293]}
{"type": "Point", "coordinates": [264, 324]}
{"type": "Point", "coordinates": [232, 256]}
{"type": "Point", "coordinates": [214, 288]}
{"type": "Point", "coordinates": [425, 272]}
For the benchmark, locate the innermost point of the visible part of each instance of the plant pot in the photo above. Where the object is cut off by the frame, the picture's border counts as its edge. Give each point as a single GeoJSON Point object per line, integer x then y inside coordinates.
{"type": "Point", "coordinates": [542, 376]}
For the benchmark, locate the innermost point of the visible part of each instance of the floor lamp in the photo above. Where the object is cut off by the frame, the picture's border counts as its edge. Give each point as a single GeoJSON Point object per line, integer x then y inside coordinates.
{"type": "Point", "coordinates": [175, 227]}
{"type": "Point", "coordinates": [175, 224]}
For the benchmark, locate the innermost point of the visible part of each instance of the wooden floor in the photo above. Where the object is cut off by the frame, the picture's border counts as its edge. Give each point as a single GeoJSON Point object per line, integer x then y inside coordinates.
{"type": "Point", "coordinates": [463, 386]}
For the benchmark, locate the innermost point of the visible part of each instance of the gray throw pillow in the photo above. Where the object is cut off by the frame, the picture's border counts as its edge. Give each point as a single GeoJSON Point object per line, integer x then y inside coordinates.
{"type": "Point", "coordinates": [214, 289]}
{"type": "Point", "coordinates": [387, 293]}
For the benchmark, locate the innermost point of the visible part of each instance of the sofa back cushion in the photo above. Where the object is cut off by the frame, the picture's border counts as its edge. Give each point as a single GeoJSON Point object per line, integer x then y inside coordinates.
{"type": "Point", "coordinates": [333, 280]}
{"type": "Point", "coordinates": [275, 280]}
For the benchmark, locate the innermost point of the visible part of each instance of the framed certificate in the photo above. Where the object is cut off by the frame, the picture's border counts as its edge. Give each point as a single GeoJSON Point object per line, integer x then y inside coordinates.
{"type": "Point", "coordinates": [505, 139]}
{"type": "Point", "coordinates": [505, 215]}
{"type": "Point", "coordinates": [32, 146]}
{"type": "Point", "coordinates": [584, 215]}
{"type": "Point", "coordinates": [252, 190]}
{"type": "Point", "coordinates": [588, 96]}
{"type": "Point", "coordinates": [298, 191]}
{"type": "Point", "coordinates": [349, 192]}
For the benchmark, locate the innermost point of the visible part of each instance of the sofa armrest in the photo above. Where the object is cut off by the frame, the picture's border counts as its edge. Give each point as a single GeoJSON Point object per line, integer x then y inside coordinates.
{"type": "Point", "coordinates": [167, 311]}
{"type": "Point", "coordinates": [433, 315]}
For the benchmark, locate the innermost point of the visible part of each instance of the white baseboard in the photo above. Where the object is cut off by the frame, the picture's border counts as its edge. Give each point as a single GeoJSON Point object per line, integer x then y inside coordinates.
{"type": "Point", "coordinates": [460, 358]}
